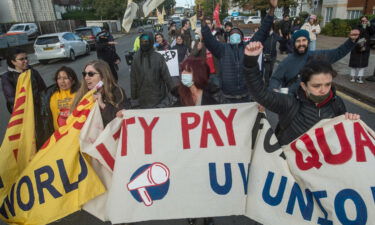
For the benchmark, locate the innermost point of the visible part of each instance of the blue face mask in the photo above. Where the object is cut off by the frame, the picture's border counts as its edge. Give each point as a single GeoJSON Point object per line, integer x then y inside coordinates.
{"type": "Point", "coordinates": [235, 39]}
{"type": "Point", "coordinates": [187, 79]}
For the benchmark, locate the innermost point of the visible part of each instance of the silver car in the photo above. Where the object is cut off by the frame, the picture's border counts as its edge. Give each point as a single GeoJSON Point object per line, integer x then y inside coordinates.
{"type": "Point", "coordinates": [60, 45]}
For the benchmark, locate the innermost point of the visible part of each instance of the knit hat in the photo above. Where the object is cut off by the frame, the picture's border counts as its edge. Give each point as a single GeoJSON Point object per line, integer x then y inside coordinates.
{"type": "Point", "coordinates": [300, 33]}
{"type": "Point", "coordinates": [312, 17]}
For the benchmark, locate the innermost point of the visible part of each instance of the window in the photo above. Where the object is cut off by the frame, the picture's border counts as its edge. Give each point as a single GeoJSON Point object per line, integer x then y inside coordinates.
{"type": "Point", "coordinates": [329, 12]}
{"type": "Point", "coordinates": [293, 12]}
{"type": "Point", "coordinates": [354, 14]}
{"type": "Point", "coordinates": [69, 37]}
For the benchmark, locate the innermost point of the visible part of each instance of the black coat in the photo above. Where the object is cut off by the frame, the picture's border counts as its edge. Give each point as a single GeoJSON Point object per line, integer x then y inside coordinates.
{"type": "Point", "coordinates": [359, 56]}
{"type": "Point", "coordinates": [297, 114]}
{"type": "Point", "coordinates": [109, 112]}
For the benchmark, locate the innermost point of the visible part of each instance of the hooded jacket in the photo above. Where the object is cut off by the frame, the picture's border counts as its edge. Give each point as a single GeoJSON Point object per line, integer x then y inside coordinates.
{"type": "Point", "coordinates": [287, 71]}
{"type": "Point", "coordinates": [297, 114]}
{"type": "Point", "coordinates": [150, 78]}
{"type": "Point", "coordinates": [230, 58]}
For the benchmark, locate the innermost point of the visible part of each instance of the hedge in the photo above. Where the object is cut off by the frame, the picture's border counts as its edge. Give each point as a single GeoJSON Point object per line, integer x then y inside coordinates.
{"type": "Point", "coordinates": [341, 27]}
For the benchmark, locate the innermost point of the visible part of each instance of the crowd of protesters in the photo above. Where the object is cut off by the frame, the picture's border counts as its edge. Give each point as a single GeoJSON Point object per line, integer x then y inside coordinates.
{"type": "Point", "coordinates": [216, 67]}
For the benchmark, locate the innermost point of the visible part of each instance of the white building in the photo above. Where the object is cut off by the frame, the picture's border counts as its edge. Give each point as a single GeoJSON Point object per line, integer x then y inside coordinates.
{"type": "Point", "coordinates": [26, 11]}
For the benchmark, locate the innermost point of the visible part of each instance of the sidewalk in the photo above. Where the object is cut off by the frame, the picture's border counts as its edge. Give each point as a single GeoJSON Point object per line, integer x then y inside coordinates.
{"type": "Point", "coordinates": [364, 91]}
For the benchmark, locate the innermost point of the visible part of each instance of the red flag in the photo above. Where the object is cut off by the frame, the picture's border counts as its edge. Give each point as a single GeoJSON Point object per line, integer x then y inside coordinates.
{"type": "Point", "coordinates": [216, 15]}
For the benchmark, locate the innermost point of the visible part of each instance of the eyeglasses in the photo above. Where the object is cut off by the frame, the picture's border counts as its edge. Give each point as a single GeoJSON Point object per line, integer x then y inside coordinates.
{"type": "Point", "coordinates": [23, 59]}
{"type": "Point", "coordinates": [91, 74]}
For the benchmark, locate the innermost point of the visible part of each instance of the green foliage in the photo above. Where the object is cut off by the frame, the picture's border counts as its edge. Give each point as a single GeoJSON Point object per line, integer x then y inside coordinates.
{"type": "Point", "coordinates": [168, 6]}
{"type": "Point", "coordinates": [109, 9]}
{"type": "Point", "coordinates": [341, 27]}
{"type": "Point", "coordinates": [86, 14]}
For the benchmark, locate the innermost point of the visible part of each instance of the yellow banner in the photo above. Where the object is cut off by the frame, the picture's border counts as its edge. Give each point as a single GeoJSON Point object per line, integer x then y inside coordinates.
{"type": "Point", "coordinates": [59, 179]}
{"type": "Point", "coordinates": [18, 146]}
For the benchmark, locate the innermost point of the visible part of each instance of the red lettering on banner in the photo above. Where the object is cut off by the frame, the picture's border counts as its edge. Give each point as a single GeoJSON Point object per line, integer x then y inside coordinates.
{"type": "Point", "coordinates": [346, 150]}
{"type": "Point", "coordinates": [311, 161]}
{"type": "Point", "coordinates": [117, 134]}
{"type": "Point", "coordinates": [125, 123]}
{"type": "Point", "coordinates": [58, 135]}
{"type": "Point", "coordinates": [209, 127]}
{"type": "Point", "coordinates": [106, 155]}
{"type": "Point", "coordinates": [186, 127]}
{"type": "Point", "coordinates": [78, 113]}
{"type": "Point", "coordinates": [228, 121]}
{"type": "Point", "coordinates": [14, 137]}
{"type": "Point", "coordinates": [362, 140]}
{"type": "Point", "coordinates": [148, 133]}
{"type": "Point", "coordinates": [15, 153]}
{"type": "Point", "coordinates": [15, 123]}
{"type": "Point", "coordinates": [20, 101]}
{"type": "Point", "coordinates": [18, 112]}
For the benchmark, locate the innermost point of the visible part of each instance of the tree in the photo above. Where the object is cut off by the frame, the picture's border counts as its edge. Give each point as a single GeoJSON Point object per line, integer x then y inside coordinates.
{"type": "Point", "coordinates": [168, 6]}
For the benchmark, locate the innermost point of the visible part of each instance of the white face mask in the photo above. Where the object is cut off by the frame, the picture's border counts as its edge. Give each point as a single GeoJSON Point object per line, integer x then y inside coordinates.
{"type": "Point", "coordinates": [187, 79]}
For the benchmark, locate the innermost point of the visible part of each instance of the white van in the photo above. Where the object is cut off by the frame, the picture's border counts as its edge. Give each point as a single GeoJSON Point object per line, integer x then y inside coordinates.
{"type": "Point", "coordinates": [31, 29]}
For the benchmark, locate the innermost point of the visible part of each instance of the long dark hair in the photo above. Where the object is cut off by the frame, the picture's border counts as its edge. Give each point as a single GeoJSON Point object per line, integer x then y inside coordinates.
{"type": "Point", "coordinates": [72, 77]}
{"type": "Point", "coordinates": [200, 71]}
{"type": "Point", "coordinates": [314, 67]}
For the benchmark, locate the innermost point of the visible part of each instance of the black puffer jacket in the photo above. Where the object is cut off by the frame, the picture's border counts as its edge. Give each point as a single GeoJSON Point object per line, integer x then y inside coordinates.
{"type": "Point", "coordinates": [297, 114]}
{"type": "Point", "coordinates": [150, 79]}
{"type": "Point", "coordinates": [360, 54]}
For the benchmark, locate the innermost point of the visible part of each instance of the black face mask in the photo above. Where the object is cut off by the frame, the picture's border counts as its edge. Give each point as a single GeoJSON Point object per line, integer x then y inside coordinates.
{"type": "Point", "coordinates": [146, 47]}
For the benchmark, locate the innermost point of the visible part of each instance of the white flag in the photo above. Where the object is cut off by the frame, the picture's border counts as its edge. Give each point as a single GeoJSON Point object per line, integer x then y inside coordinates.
{"type": "Point", "coordinates": [130, 14]}
{"type": "Point", "coordinates": [150, 5]}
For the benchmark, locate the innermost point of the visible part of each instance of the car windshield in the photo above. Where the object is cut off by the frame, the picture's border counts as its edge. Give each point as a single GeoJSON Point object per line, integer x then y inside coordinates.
{"type": "Point", "coordinates": [47, 40]}
{"type": "Point", "coordinates": [17, 28]}
{"type": "Point", "coordinates": [84, 32]}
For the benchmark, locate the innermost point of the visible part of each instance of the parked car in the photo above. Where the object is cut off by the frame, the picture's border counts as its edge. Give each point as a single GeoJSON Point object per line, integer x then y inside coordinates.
{"type": "Point", "coordinates": [88, 34]}
{"type": "Point", "coordinates": [60, 45]}
{"type": "Point", "coordinates": [31, 29]}
{"type": "Point", "coordinates": [240, 19]}
{"type": "Point", "coordinates": [227, 19]}
{"type": "Point", "coordinates": [253, 19]}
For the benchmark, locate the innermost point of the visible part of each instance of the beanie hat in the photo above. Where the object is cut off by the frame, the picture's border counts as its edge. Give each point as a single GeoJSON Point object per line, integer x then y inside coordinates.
{"type": "Point", "coordinates": [300, 33]}
{"type": "Point", "coordinates": [312, 17]}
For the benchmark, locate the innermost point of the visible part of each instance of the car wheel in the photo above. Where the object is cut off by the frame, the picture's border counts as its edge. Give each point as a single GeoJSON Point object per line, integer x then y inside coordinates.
{"type": "Point", "coordinates": [44, 62]}
{"type": "Point", "coordinates": [87, 50]}
{"type": "Point", "coordinates": [72, 56]}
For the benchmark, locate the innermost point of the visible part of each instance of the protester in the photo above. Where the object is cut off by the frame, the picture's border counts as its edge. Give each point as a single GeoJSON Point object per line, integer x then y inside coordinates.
{"type": "Point", "coordinates": [18, 63]}
{"type": "Point", "coordinates": [296, 25]}
{"type": "Point", "coordinates": [285, 33]}
{"type": "Point", "coordinates": [372, 78]}
{"type": "Point", "coordinates": [160, 43]}
{"type": "Point", "coordinates": [360, 54]}
{"type": "Point", "coordinates": [195, 90]}
{"type": "Point", "coordinates": [228, 26]}
{"type": "Point", "coordinates": [200, 51]}
{"type": "Point", "coordinates": [58, 98]}
{"type": "Point", "coordinates": [270, 54]}
{"type": "Point", "coordinates": [185, 33]}
{"type": "Point", "coordinates": [110, 97]}
{"type": "Point", "coordinates": [182, 50]}
{"type": "Point", "coordinates": [315, 100]}
{"type": "Point", "coordinates": [286, 74]}
{"type": "Point", "coordinates": [230, 56]}
{"type": "Point", "coordinates": [172, 33]}
{"type": "Point", "coordinates": [137, 43]}
{"type": "Point", "coordinates": [312, 26]}
{"type": "Point", "coordinates": [106, 51]}
{"type": "Point", "coordinates": [150, 78]}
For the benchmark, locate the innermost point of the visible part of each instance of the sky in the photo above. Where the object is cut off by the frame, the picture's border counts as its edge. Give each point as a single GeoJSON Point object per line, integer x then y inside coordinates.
{"type": "Point", "coordinates": [184, 2]}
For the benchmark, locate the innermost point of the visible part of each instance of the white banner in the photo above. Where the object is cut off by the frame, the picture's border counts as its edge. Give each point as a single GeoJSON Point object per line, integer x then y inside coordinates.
{"type": "Point", "coordinates": [171, 58]}
{"type": "Point", "coordinates": [150, 5]}
{"type": "Point", "coordinates": [130, 14]}
{"type": "Point", "coordinates": [194, 162]}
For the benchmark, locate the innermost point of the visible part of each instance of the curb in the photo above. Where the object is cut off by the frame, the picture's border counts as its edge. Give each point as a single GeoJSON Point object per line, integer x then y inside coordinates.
{"type": "Point", "coordinates": [356, 94]}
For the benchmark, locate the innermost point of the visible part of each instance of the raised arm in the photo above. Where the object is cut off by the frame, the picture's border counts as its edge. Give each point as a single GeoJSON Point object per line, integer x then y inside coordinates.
{"type": "Point", "coordinates": [333, 55]}
{"type": "Point", "coordinates": [213, 45]}
{"type": "Point", "coordinates": [276, 102]}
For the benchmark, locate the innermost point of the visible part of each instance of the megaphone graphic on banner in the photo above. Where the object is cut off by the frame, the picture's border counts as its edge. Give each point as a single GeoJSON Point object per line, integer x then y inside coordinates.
{"type": "Point", "coordinates": [156, 174]}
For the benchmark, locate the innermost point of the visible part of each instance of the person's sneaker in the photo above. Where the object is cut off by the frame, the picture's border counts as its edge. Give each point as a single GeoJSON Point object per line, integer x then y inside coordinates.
{"type": "Point", "coordinates": [359, 80]}
{"type": "Point", "coordinates": [370, 78]}
{"type": "Point", "coordinates": [192, 221]}
{"type": "Point", "coordinates": [352, 79]}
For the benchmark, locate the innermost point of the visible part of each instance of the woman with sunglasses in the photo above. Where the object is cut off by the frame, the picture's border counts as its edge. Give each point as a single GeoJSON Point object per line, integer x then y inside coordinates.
{"type": "Point", "coordinates": [18, 63]}
{"type": "Point", "coordinates": [58, 98]}
{"type": "Point", "coordinates": [110, 96]}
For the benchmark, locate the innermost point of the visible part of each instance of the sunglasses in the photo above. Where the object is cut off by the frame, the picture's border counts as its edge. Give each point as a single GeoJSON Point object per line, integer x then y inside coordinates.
{"type": "Point", "coordinates": [91, 74]}
{"type": "Point", "coordinates": [23, 59]}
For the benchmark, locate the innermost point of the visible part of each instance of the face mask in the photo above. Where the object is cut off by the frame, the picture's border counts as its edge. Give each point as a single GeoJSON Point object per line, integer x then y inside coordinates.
{"type": "Point", "coordinates": [364, 25]}
{"type": "Point", "coordinates": [187, 79]}
{"type": "Point", "coordinates": [318, 98]}
{"type": "Point", "coordinates": [235, 38]}
{"type": "Point", "coordinates": [197, 37]}
{"type": "Point", "coordinates": [146, 47]}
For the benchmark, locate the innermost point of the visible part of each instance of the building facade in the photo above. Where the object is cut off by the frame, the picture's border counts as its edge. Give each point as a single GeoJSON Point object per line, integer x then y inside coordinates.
{"type": "Point", "coordinates": [26, 11]}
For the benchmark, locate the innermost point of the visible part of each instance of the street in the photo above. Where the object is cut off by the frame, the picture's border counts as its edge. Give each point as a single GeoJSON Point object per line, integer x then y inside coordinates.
{"type": "Point", "coordinates": [124, 45]}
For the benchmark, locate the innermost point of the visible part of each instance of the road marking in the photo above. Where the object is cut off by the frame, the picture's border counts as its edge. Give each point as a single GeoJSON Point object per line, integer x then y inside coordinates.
{"type": "Point", "coordinates": [356, 102]}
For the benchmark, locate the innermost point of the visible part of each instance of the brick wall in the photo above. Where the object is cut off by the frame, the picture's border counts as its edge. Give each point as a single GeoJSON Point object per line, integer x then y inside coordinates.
{"type": "Point", "coordinates": [360, 4]}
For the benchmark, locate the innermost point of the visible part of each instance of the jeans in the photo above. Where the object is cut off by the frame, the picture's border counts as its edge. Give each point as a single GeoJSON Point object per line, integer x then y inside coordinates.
{"type": "Point", "coordinates": [312, 45]}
